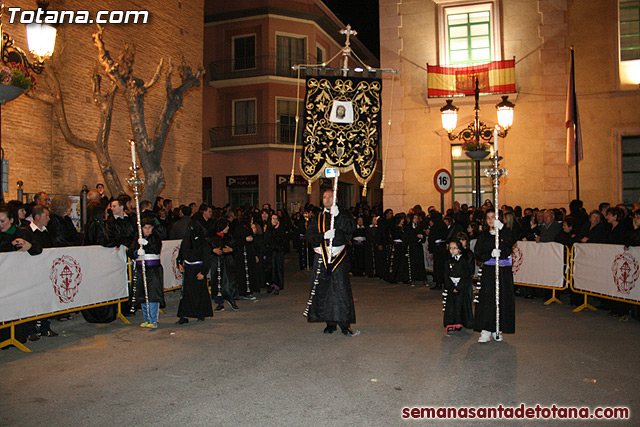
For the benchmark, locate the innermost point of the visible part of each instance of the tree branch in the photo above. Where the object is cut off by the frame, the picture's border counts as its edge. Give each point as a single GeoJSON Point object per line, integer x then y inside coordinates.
{"type": "Point", "coordinates": [156, 76]}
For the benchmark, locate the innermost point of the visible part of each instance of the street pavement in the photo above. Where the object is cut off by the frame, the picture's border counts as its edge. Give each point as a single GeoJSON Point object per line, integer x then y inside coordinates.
{"type": "Point", "coordinates": [265, 365]}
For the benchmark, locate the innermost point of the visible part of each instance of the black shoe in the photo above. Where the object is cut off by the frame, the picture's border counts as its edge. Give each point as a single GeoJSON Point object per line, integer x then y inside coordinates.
{"type": "Point", "coordinates": [200, 319]}
{"type": "Point", "coordinates": [233, 305]}
{"type": "Point", "coordinates": [276, 292]}
{"type": "Point", "coordinates": [347, 332]}
{"type": "Point", "coordinates": [182, 321]}
{"type": "Point", "coordinates": [330, 329]}
{"type": "Point", "coordinates": [270, 289]}
{"type": "Point", "coordinates": [219, 308]}
{"type": "Point", "coordinates": [50, 333]}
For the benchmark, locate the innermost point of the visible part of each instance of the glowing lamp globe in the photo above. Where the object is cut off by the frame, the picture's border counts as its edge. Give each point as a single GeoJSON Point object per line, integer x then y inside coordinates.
{"type": "Point", "coordinates": [505, 112]}
{"type": "Point", "coordinates": [41, 39]}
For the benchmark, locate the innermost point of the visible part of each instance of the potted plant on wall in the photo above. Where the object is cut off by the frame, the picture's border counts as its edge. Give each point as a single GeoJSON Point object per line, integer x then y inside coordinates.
{"type": "Point", "coordinates": [15, 80]}
{"type": "Point", "coordinates": [476, 150]}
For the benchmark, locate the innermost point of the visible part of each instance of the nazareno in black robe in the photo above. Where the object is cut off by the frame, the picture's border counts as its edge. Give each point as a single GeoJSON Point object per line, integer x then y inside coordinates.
{"type": "Point", "coordinates": [358, 251]}
{"type": "Point", "coordinates": [485, 315]}
{"type": "Point", "coordinates": [244, 259]}
{"type": "Point", "coordinates": [458, 306]}
{"type": "Point", "coordinates": [416, 267]}
{"type": "Point", "coordinates": [195, 257]}
{"type": "Point", "coordinates": [331, 299]}
{"type": "Point", "coordinates": [154, 273]}
{"type": "Point", "coordinates": [224, 283]}
{"type": "Point", "coordinates": [276, 241]}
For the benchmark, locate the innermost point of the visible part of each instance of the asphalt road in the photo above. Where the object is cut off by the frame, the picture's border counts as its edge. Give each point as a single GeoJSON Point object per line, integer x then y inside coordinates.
{"type": "Point", "coordinates": [266, 366]}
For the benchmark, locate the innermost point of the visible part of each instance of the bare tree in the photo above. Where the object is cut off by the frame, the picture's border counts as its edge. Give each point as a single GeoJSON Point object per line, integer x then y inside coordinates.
{"type": "Point", "coordinates": [149, 148]}
{"type": "Point", "coordinates": [100, 145]}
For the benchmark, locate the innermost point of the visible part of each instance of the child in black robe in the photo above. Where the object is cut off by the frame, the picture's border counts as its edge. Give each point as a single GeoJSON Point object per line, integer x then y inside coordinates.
{"type": "Point", "coordinates": [150, 255]}
{"type": "Point", "coordinates": [457, 288]}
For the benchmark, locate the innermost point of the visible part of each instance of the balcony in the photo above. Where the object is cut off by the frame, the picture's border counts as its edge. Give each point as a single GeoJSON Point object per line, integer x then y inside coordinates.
{"type": "Point", "coordinates": [264, 65]}
{"type": "Point", "coordinates": [253, 136]}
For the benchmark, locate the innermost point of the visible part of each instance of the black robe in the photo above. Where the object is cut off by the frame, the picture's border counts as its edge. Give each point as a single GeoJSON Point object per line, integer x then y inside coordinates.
{"type": "Point", "coordinates": [331, 299]}
{"type": "Point", "coordinates": [96, 234]}
{"type": "Point", "coordinates": [275, 240]}
{"type": "Point", "coordinates": [154, 273]}
{"type": "Point", "coordinates": [417, 269]}
{"type": "Point", "coordinates": [224, 282]}
{"type": "Point", "coordinates": [398, 259]}
{"type": "Point", "coordinates": [358, 251]}
{"type": "Point", "coordinates": [437, 246]}
{"type": "Point", "coordinates": [195, 257]}
{"type": "Point", "coordinates": [374, 257]}
{"type": "Point", "coordinates": [458, 306]}
{"type": "Point", "coordinates": [63, 232]}
{"type": "Point", "coordinates": [244, 259]}
{"type": "Point", "coordinates": [485, 316]}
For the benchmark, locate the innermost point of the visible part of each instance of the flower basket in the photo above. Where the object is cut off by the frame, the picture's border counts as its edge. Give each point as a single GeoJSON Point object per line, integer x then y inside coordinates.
{"type": "Point", "coordinates": [477, 154]}
{"type": "Point", "coordinates": [9, 93]}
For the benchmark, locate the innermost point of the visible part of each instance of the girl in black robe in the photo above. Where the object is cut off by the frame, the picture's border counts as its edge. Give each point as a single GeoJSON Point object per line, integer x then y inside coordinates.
{"type": "Point", "coordinates": [153, 271]}
{"type": "Point", "coordinates": [244, 258]}
{"type": "Point", "coordinates": [358, 252]}
{"type": "Point", "coordinates": [437, 246]}
{"type": "Point", "coordinates": [275, 240]}
{"type": "Point", "coordinates": [458, 289]}
{"type": "Point", "coordinates": [415, 237]}
{"type": "Point", "coordinates": [261, 255]}
{"type": "Point", "coordinates": [398, 260]}
{"type": "Point", "coordinates": [485, 315]}
{"type": "Point", "coordinates": [224, 285]}
{"type": "Point", "coordinates": [194, 261]}
{"type": "Point", "coordinates": [374, 249]}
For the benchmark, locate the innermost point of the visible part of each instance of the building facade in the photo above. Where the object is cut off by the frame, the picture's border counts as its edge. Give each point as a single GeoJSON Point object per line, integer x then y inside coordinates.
{"type": "Point", "coordinates": [252, 95]}
{"type": "Point", "coordinates": [37, 153]}
{"type": "Point", "coordinates": [538, 34]}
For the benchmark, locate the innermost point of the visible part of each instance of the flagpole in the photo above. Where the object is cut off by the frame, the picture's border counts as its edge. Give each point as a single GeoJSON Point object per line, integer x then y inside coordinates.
{"type": "Point", "coordinates": [575, 121]}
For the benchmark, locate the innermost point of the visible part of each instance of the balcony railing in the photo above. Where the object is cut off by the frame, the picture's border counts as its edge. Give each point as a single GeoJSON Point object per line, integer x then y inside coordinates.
{"type": "Point", "coordinates": [264, 65]}
{"type": "Point", "coordinates": [254, 134]}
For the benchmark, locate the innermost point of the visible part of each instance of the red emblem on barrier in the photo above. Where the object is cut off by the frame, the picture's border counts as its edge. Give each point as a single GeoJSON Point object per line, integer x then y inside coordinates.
{"type": "Point", "coordinates": [625, 272]}
{"type": "Point", "coordinates": [516, 259]}
{"type": "Point", "coordinates": [174, 263]}
{"type": "Point", "coordinates": [66, 276]}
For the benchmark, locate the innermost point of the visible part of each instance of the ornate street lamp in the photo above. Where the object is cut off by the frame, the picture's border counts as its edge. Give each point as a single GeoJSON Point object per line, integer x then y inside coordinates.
{"type": "Point", "coordinates": [41, 40]}
{"type": "Point", "coordinates": [477, 131]}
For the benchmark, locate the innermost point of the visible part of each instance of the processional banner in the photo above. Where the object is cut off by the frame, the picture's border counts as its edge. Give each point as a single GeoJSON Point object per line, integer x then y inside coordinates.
{"type": "Point", "coordinates": [341, 126]}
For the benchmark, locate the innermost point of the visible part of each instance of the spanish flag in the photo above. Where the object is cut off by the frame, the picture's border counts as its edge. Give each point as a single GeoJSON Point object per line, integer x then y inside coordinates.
{"type": "Point", "coordinates": [493, 77]}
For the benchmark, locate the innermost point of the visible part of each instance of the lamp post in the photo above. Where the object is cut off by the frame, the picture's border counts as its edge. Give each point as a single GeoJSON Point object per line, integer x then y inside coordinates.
{"type": "Point", "coordinates": [41, 40]}
{"type": "Point", "coordinates": [477, 131]}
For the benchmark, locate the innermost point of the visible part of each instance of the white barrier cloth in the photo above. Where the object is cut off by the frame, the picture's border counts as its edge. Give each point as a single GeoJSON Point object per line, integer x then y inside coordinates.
{"type": "Point", "coordinates": [60, 279]}
{"type": "Point", "coordinates": [611, 270]}
{"type": "Point", "coordinates": [539, 264]}
{"type": "Point", "coordinates": [172, 276]}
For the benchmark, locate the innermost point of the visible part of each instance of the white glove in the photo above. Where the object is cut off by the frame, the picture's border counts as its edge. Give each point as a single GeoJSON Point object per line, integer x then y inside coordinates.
{"type": "Point", "coordinates": [334, 210]}
{"type": "Point", "coordinates": [330, 234]}
{"type": "Point", "coordinates": [498, 224]}
{"type": "Point", "coordinates": [142, 241]}
{"type": "Point", "coordinates": [495, 253]}
{"type": "Point", "coordinates": [140, 252]}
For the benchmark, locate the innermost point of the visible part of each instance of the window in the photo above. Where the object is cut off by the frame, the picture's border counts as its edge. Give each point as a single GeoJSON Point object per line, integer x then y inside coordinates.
{"type": "Point", "coordinates": [207, 190]}
{"type": "Point", "coordinates": [463, 174]}
{"type": "Point", "coordinates": [469, 37]}
{"type": "Point", "coordinates": [469, 33]}
{"type": "Point", "coordinates": [290, 51]}
{"type": "Point", "coordinates": [631, 169]}
{"type": "Point", "coordinates": [244, 117]}
{"type": "Point", "coordinates": [629, 30]}
{"type": "Point", "coordinates": [286, 111]}
{"type": "Point", "coordinates": [244, 52]}
{"type": "Point", "coordinates": [320, 54]}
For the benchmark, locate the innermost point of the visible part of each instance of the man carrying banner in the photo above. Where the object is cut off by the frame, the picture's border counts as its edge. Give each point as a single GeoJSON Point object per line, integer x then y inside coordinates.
{"type": "Point", "coordinates": [331, 300]}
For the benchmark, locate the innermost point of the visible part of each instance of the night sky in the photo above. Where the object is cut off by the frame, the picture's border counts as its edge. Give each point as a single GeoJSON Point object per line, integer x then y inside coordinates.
{"type": "Point", "coordinates": [363, 17]}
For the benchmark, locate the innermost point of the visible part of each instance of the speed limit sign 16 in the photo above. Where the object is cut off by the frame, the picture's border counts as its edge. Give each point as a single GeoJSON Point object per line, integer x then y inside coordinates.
{"type": "Point", "coordinates": [442, 181]}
